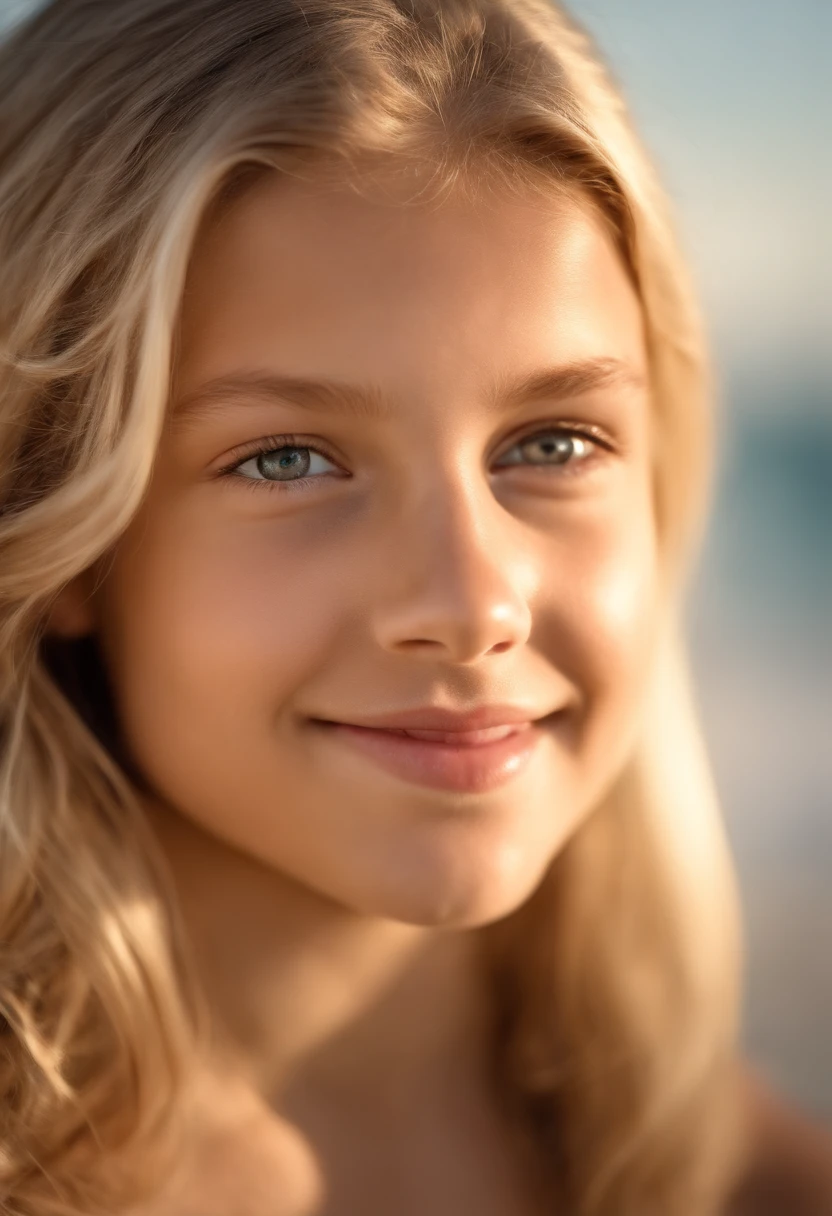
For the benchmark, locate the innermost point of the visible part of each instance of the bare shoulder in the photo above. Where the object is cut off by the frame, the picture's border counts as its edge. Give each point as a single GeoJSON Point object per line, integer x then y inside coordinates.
{"type": "Point", "coordinates": [789, 1166]}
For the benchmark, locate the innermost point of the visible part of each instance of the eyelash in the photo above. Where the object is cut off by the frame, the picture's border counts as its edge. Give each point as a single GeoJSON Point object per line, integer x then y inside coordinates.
{"type": "Point", "coordinates": [274, 443]}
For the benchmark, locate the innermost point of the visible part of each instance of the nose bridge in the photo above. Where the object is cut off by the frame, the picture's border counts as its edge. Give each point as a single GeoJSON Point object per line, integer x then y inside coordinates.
{"type": "Point", "coordinates": [456, 577]}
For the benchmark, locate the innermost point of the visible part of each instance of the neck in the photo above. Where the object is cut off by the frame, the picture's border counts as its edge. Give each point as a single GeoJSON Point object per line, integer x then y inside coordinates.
{"type": "Point", "coordinates": [307, 994]}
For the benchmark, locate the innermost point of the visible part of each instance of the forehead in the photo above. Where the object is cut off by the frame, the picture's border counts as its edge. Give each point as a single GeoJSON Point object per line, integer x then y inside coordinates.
{"type": "Point", "coordinates": [305, 277]}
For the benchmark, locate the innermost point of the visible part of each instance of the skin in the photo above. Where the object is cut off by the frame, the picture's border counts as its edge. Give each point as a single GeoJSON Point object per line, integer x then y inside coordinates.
{"type": "Point", "coordinates": [332, 906]}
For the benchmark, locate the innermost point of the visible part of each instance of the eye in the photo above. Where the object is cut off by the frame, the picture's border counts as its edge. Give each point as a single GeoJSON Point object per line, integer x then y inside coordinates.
{"type": "Point", "coordinates": [277, 463]}
{"type": "Point", "coordinates": [557, 447]}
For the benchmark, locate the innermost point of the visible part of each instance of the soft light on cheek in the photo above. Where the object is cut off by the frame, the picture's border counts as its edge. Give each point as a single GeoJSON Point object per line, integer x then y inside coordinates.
{"type": "Point", "coordinates": [625, 596]}
{"type": "Point", "coordinates": [618, 634]}
{"type": "Point", "coordinates": [620, 609]}
{"type": "Point", "coordinates": [629, 574]}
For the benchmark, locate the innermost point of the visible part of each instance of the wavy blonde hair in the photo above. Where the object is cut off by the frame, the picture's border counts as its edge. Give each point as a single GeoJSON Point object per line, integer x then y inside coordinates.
{"type": "Point", "coordinates": [121, 125]}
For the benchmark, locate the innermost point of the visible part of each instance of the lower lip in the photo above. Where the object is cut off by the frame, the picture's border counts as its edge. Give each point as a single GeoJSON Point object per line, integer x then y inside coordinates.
{"type": "Point", "coordinates": [470, 769]}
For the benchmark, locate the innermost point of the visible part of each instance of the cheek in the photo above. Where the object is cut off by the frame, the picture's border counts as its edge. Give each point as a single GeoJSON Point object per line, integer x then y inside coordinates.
{"type": "Point", "coordinates": [608, 641]}
{"type": "Point", "coordinates": [208, 632]}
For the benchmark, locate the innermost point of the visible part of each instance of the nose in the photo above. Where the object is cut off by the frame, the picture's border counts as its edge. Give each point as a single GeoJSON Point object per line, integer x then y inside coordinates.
{"type": "Point", "coordinates": [457, 585]}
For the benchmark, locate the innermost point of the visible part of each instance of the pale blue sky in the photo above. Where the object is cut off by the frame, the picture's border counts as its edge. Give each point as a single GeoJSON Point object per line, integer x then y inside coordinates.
{"type": "Point", "coordinates": [733, 99]}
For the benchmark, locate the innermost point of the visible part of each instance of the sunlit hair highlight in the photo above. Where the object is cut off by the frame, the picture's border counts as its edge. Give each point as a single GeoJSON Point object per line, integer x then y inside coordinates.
{"type": "Point", "coordinates": [123, 125]}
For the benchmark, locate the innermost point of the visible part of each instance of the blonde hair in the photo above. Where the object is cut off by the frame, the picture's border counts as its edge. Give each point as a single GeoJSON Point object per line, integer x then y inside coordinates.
{"type": "Point", "coordinates": [122, 124]}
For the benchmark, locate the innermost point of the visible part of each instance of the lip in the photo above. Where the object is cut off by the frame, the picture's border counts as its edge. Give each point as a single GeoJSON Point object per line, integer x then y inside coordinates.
{"type": "Point", "coordinates": [432, 717]}
{"type": "Point", "coordinates": [460, 764]}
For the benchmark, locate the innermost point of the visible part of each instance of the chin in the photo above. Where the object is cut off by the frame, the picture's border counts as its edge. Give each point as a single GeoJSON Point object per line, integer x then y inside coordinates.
{"type": "Point", "coordinates": [466, 897]}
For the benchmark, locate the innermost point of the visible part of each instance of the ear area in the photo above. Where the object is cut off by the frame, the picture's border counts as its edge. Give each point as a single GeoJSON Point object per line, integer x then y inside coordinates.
{"type": "Point", "coordinates": [72, 614]}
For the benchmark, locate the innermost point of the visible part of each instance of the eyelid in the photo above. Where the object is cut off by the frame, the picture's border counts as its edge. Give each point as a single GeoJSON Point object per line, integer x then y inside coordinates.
{"type": "Point", "coordinates": [254, 447]}
{"type": "Point", "coordinates": [271, 443]}
{"type": "Point", "coordinates": [589, 430]}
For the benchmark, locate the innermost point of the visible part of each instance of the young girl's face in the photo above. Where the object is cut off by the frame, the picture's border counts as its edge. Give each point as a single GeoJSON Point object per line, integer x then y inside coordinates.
{"type": "Point", "coordinates": [442, 541]}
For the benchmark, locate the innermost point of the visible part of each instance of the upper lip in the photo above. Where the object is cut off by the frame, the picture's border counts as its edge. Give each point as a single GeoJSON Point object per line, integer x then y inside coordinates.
{"type": "Point", "coordinates": [433, 718]}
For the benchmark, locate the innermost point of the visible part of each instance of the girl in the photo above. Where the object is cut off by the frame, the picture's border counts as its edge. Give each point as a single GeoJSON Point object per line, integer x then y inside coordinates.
{"type": "Point", "coordinates": [359, 852]}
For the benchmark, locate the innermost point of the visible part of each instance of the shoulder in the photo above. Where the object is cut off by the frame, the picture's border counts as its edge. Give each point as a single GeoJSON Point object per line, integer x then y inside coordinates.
{"type": "Point", "coordinates": [788, 1170]}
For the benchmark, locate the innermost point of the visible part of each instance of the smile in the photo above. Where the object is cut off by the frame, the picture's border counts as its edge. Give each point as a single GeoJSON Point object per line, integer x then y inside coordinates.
{"type": "Point", "coordinates": [462, 761]}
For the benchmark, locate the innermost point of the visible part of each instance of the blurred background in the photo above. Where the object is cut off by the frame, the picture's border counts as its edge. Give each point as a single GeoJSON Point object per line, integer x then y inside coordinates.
{"type": "Point", "coordinates": [732, 97]}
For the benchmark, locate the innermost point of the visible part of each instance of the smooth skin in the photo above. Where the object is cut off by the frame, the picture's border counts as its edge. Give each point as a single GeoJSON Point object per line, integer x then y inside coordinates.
{"type": "Point", "coordinates": [429, 558]}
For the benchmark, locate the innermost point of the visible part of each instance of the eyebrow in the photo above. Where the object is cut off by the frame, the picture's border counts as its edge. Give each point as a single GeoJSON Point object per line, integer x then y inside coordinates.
{"type": "Point", "coordinates": [370, 403]}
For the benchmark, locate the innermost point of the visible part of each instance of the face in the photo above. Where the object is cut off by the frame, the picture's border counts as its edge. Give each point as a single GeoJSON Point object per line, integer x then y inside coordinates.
{"type": "Point", "coordinates": [440, 534]}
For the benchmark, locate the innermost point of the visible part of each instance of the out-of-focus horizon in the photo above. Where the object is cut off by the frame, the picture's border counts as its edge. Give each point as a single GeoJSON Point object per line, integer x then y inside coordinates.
{"type": "Point", "coordinates": [733, 100]}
